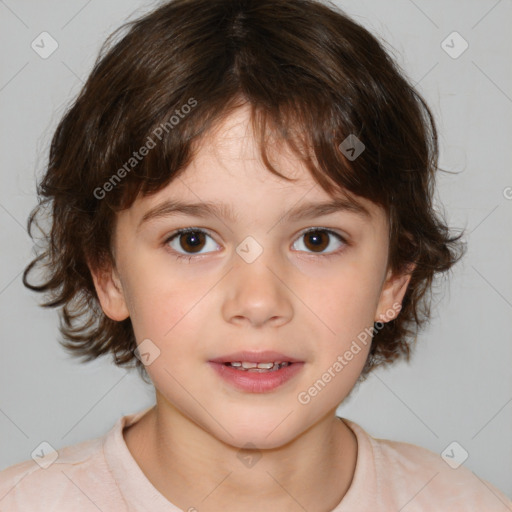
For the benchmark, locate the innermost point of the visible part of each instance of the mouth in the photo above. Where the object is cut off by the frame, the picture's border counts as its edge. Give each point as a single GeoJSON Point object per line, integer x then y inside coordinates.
{"type": "Point", "coordinates": [246, 366]}
{"type": "Point", "coordinates": [267, 360]}
{"type": "Point", "coordinates": [256, 372]}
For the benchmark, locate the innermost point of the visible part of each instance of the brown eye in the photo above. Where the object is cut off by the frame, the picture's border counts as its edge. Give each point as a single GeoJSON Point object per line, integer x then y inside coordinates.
{"type": "Point", "coordinates": [190, 242]}
{"type": "Point", "coordinates": [318, 240]}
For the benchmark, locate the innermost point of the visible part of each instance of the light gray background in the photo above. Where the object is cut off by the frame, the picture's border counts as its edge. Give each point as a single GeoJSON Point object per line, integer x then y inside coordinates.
{"type": "Point", "coordinates": [458, 386]}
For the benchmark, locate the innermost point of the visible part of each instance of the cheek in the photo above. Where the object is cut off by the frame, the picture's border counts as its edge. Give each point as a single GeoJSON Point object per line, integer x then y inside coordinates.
{"type": "Point", "coordinates": [161, 295]}
{"type": "Point", "coordinates": [346, 304]}
{"type": "Point", "coordinates": [348, 301]}
{"type": "Point", "coordinates": [157, 302]}
{"type": "Point", "coordinates": [161, 312]}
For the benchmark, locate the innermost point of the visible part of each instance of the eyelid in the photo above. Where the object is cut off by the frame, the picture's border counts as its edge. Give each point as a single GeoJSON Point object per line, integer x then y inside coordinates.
{"type": "Point", "coordinates": [344, 239]}
{"type": "Point", "coordinates": [180, 231]}
{"type": "Point", "coordinates": [323, 228]}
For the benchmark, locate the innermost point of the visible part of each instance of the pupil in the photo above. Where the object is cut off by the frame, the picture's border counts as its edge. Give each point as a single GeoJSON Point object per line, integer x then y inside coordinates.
{"type": "Point", "coordinates": [316, 238]}
{"type": "Point", "coordinates": [193, 236]}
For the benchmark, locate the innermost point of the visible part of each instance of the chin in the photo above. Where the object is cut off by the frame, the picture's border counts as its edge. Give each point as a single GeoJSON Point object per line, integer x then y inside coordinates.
{"type": "Point", "coordinates": [246, 438]}
{"type": "Point", "coordinates": [263, 431]}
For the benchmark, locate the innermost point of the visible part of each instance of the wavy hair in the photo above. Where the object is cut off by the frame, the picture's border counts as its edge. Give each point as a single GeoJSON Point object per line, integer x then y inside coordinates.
{"type": "Point", "coordinates": [310, 74]}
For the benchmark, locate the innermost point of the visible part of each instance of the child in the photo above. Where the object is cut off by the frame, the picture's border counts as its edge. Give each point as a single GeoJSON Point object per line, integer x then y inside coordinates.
{"type": "Point", "coordinates": [279, 134]}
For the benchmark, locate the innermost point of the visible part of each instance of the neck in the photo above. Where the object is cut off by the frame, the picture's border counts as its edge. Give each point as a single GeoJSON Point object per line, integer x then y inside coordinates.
{"type": "Point", "coordinates": [194, 470]}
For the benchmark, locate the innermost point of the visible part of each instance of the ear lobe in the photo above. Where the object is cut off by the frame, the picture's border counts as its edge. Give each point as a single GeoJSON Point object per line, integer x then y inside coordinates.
{"type": "Point", "coordinates": [392, 294]}
{"type": "Point", "coordinates": [110, 293]}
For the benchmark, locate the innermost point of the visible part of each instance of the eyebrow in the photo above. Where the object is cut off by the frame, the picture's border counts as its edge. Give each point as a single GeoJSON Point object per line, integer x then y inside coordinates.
{"type": "Point", "coordinates": [171, 208]}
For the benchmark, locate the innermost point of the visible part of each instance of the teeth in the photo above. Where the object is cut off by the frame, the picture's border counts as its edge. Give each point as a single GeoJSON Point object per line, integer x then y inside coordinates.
{"type": "Point", "coordinates": [265, 366]}
{"type": "Point", "coordinates": [258, 367]}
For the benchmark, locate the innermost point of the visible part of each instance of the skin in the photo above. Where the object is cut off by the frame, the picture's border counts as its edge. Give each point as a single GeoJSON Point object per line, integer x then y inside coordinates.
{"type": "Point", "coordinates": [290, 299]}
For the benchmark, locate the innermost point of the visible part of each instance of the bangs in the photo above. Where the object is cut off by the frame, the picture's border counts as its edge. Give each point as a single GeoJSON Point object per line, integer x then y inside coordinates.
{"type": "Point", "coordinates": [171, 146]}
{"type": "Point", "coordinates": [317, 84]}
{"type": "Point", "coordinates": [302, 91]}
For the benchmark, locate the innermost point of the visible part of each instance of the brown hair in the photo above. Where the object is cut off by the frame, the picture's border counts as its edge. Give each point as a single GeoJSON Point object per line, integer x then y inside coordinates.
{"type": "Point", "coordinates": [310, 74]}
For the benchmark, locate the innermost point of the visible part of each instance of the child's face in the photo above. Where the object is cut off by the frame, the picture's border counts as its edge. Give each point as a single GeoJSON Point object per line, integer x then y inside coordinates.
{"type": "Point", "coordinates": [307, 298]}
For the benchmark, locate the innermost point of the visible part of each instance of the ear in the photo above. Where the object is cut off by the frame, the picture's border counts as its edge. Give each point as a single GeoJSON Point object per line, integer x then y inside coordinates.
{"type": "Point", "coordinates": [110, 293]}
{"type": "Point", "coordinates": [392, 294]}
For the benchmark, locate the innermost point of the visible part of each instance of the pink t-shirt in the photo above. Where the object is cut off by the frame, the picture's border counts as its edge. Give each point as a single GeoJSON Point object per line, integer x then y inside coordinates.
{"type": "Point", "coordinates": [102, 475]}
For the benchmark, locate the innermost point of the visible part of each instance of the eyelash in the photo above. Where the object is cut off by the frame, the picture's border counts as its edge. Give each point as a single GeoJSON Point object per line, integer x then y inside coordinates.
{"type": "Point", "coordinates": [180, 256]}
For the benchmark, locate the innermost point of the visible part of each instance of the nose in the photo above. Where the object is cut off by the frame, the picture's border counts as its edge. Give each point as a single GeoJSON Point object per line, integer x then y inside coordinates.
{"type": "Point", "coordinates": [257, 293]}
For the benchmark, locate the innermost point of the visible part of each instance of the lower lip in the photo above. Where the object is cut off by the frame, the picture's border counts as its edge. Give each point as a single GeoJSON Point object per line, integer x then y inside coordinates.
{"type": "Point", "coordinates": [256, 382]}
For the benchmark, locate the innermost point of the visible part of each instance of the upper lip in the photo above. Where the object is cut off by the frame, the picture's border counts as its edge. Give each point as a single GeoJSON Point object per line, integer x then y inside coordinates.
{"type": "Point", "coordinates": [265, 356]}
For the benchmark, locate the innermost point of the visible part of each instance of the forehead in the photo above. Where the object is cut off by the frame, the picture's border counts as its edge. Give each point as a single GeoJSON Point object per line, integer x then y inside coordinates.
{"type": "Point", "coordinates": [228, 178]}
{"type": "Point", "coordinates": [232, 145]}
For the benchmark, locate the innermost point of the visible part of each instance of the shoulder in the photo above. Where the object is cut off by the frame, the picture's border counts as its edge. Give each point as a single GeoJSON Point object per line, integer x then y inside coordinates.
{"type": "Point", "coordinates": [415, 478]}
{"type": "Point", "coordinates": [54, 480]}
